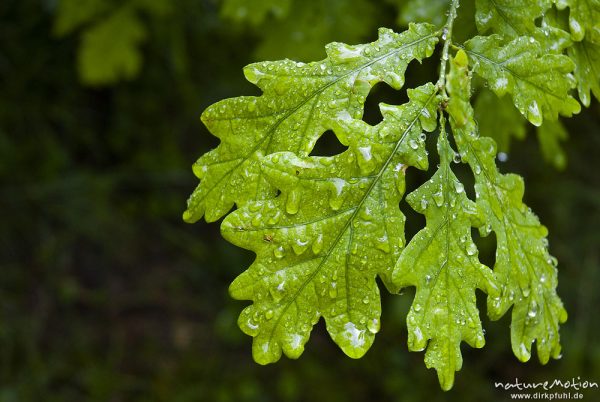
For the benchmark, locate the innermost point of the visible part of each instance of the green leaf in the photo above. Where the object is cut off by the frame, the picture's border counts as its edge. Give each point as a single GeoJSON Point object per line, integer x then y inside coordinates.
{"type": "Point", "coordinates": [498, 118]}
{"type": "Point", "coordinates": [538, 83]}
{"type": "Point", "coordinates": [441, 261]}
{"type": "Point", "coordinates": [584, 18]}
{"type": "Point", "coordinates": [254, 11]}
{"type": "Point", "coordinates": [313, 23]}
{"type": "Point", "coordinates": [104, 60]}
{"type": "Point", "coordinates": [526, 272]}
{"type": "Point", "coordinates": [72, 14]}
{"type": "Point", "coordinates": [586, 56]}
{"type": "Point", "coordinates": [511, 18]}
{"type": "Point", "coordinates": [333, 229]}
{"type": "Point", "coordinates": [550, 134]}
{"type": "Point", "coordinates": [298, 102]}
{"type": "Point", "coordinates": [431, 11]}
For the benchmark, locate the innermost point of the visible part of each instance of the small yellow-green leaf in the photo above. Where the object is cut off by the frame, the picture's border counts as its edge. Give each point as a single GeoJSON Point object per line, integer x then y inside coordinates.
{"type": "Point", "coordinates": [104, 60]}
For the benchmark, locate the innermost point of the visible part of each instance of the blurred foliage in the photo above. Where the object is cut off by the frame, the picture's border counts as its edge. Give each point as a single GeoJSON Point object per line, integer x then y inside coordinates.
{"type": "Point", "coordinates": [107, 296]}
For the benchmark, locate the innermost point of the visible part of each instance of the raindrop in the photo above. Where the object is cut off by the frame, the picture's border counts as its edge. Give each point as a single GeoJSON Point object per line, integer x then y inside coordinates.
{"type": "Point", "coordinates": [293, 202]}
{"type": "Point", "coordinates": [534, 114]}
{"type": "Point", "coordinates": [511, 296]}
{"type": "Point", "coordinates": [383, 244]}
{"type": "Point", "coordinates": [459, 187]}
{"type": "Point", "coordinates": [317, 245]}
{"type": "Point", "coordinates": [279, 252]}
{"type": "Point", "coordinates": [300, 246]}
{"type": "Point", "coordinates": [366, 214]}
{"type": "Point", "coordinates": [471, 249]}
{"type": "Point", "coordinates": [373, 326]}
{"type": "Point", "coordinates": [532, 309]}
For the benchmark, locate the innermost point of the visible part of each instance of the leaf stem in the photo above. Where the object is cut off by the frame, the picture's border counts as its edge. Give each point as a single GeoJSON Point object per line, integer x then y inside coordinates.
{"type": "Point", "coordinates": [447, 38]}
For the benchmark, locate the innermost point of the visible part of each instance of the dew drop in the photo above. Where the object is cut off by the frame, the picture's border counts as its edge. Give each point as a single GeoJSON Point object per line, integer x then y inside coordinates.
{"type": "Point", "coordinates": [479, 341]}
{"type": "Point", "coordinates": [300, 246]}
{"type": "Point", "coordinates": [438, 198]}
{"type": "Point", "coordinates": [257, 220]}
{"type": "Point", "coordinates": [333, 290]}
{"type": "Point", "coordinates": [534, 115]}
{"type": "Point", "coordinates": [317, 245]}
{"type": "Point", "coordinates": [293, 202]}
{"type": "Point", "coordinates": [373, 326]}
{"type": "Point", "coordinates": [533, 308]}
{"type": "Point", "coordinates": [279, 252]}
{"type": "Point", "coordinates": [383, 244]}
{"type": "Point", "coordinates": [458, 186]}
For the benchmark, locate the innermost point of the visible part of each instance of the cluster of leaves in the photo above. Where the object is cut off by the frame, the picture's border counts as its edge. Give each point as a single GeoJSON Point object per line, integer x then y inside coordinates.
{"type": "Point", "coordinates": [324, 228]}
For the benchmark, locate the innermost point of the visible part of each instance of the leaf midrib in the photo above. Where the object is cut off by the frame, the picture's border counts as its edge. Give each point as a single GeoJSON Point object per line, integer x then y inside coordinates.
{"type": "Point", "coordinates": [351, 218]}
{"type": "Point", "coordinates": [514, 74]}
{"type": "Point", "coordinates": [319, 91]}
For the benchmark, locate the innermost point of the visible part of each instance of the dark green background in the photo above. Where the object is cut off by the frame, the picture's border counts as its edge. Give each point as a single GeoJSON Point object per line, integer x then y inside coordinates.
{"type": "Point", "coordinates": [106, 295]}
